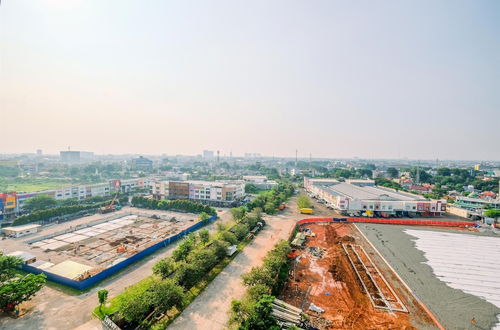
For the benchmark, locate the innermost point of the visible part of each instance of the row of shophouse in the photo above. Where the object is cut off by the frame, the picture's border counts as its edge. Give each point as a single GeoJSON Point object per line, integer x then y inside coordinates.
{"type": "Point", "coordinates": [220, 193]}
{"type": "Point", "coordinates": [363, 197]}
{"type": "Point", "coordinates": [11, 204]}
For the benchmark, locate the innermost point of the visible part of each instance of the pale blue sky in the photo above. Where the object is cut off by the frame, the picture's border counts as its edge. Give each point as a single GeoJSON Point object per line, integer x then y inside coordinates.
{"type": "Point", "coordinates": [377, 79]}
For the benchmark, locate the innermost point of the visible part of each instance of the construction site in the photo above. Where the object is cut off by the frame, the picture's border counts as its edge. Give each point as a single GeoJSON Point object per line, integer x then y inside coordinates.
{"type": "Point", "coordinates": [340, 282]}
{"type": "Point", "coordinates": [88, 249]}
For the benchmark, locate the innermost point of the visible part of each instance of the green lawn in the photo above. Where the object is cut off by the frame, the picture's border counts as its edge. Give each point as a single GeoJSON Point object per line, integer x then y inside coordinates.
{"type": "Point", "coordinates": [31, 187]}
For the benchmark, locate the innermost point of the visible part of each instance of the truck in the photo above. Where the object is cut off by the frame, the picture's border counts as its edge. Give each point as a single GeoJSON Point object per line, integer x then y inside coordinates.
{"type": "Point", "coordinates": [306, 211]}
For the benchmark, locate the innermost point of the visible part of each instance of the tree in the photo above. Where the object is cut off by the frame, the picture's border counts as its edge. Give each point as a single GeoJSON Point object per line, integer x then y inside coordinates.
{"type": "Point", "coordinates": [165, 294]}
{"type": "Point", "coordinates": [251, 188]}
{"type": "Point", "coordinates": [270, 208]}
{"type": "Point", "coordinates": [39, 202]}
{"type": "Point", "coordinates": [229, 237]}
{"type": "Point", "coordinates": [238, 213]}
{"type": "Point", "coordinates": [102, 295]}
{"type": "Point", "coordinates": [303, 201]}
{"type": "Point", "coordinates": [258, 275]}
{"type": "Point", "coordinates": [187, 275]}
{"type": "Point", "coordinates": [261, 317]}
{"type": "Point", "coordinates": [204, 236]}
{"type": "Point", "coordinates": [443, 171]}
{"type": "Point", "coordinates": [8, 267]}
{"type": "Point", "coordinates": [204, 217]}
{"type": "Point", "coordinates": [219, 248]}
{"type": "Point", "coordinates": [240, 231]}
{"type": "Point", "coordinates": [134, 305]}
{"type": "Point", "coordinates": [182, 251]}
{"type": "Point", "coordinates": [204, 259]}
{"type": "Point", "coordinates": [492, 213]}
{"type": "Point", "coordinates": [14, 287]}
{"type": "Point", "coordinates": [392, 172]}
{"type": "Point", "coordinates": [164, 267]}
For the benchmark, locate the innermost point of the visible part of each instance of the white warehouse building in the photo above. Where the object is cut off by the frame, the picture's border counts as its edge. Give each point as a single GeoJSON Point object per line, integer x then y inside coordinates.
{"type": "Point", "coordinates": [362, 197]}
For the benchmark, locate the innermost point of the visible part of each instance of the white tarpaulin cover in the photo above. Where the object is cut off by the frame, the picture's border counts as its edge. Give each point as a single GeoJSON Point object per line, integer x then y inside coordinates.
{"type": "Point", "coordinates": [465, 262]}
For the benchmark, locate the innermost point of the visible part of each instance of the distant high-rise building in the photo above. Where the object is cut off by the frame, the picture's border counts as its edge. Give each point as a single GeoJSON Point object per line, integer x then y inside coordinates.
{"type": "Point", "coordinates": [87, 155]}
{"type": "Point", "coordinates": [70, 156]}
{"type": "Point", "coordinates": [73, 156]}
{"type": "Point", "coordinates": [142, 163]}
{"type": "Point", "coordinates": [38, 152]}
{"type": "Point", "coordinates": [208, 154]}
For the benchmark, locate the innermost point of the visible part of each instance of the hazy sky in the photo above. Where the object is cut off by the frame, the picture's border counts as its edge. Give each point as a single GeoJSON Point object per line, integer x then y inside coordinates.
{"type": "Point", "coordinates": [381, 79]}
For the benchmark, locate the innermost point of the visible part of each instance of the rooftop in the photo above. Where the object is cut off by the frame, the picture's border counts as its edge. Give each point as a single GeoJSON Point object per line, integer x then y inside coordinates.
{"type": "Point", "coordinates": [370, 193]}
{"type": "Point", "coordinates": [23, 255]}
{"type": "Point", "coordinates": [21, 228]}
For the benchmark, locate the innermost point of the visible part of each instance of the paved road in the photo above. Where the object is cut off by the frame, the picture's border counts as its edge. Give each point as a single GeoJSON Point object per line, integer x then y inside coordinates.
{"type": "Point", "coordinates": [209, 311]}
{"type": "Point", "coordinates": [55, 308]}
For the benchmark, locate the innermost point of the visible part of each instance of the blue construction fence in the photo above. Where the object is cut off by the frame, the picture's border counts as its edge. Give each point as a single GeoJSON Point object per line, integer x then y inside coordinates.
{"type": "Point", "coordinates": [87, 283]}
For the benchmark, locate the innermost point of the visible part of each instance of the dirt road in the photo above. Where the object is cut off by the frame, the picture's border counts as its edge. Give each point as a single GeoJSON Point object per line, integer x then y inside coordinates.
{"type": "Point", "coordinates": [209, 311]}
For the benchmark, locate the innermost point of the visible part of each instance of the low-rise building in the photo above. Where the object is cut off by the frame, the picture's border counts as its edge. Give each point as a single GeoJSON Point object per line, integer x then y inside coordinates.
{"type": "Point", "coordinates": [362, 197]}
{"type": "Point", "coordinates": [11, 204]}
{"type": "Point", "coordinates": [19, 231]}
{"type": "Point", "coordinates": [212, 192]}
{"type": "Point", "coordinates": [260, 181]}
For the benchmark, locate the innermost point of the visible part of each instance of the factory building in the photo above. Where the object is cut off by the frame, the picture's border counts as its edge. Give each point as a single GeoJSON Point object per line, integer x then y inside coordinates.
{"type": "Point", "coordinates": [363, 198]}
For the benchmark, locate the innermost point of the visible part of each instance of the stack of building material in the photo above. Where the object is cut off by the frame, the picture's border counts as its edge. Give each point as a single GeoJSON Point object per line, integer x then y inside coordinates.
{"type": "Point", "coordinates": [286, 314]}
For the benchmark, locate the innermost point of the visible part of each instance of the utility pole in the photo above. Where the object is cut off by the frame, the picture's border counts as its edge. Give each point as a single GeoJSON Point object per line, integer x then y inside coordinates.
{"type": "Point", "coordinates": [310, 164]}
{"type": "Point", "coordinates": [296, 153]}
{"type": "Point", "coordinates": [418, 172]}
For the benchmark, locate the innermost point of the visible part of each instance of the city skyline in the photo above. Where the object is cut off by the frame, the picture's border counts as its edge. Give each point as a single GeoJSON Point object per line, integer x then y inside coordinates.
{"type": "Point", "coordinates": [338, 80]}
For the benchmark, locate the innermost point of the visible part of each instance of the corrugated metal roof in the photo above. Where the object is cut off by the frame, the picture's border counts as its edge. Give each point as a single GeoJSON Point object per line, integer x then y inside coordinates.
{"type": "Point", "coordinates": [369, 193]}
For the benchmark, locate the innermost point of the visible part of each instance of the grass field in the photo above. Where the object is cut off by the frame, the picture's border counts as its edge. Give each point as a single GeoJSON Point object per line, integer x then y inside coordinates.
{"type": "Point", "coordinates": [31, 186]}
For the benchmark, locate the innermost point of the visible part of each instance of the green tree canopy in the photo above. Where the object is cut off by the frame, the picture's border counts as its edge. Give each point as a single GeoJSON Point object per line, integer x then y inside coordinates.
{"type": "Point", "coordinates": [39, 202]}
{"type": "Point", "coordinates": [392, 172]}
{"type": "Point", "coordinates": [303, 201]}
{"type": "Point", "coordinates": [14, 286]}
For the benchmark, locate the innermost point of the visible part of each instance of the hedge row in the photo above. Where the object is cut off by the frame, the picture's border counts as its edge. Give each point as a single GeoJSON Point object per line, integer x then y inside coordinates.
{"type": "Point", "coordinates": [175, 205]}
{"type": "Point", "coordinates": [55, 212]}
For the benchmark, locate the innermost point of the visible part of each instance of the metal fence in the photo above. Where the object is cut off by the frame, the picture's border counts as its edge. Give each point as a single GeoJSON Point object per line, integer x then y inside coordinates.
{"type": "Point", "coordinates": [87, 283]}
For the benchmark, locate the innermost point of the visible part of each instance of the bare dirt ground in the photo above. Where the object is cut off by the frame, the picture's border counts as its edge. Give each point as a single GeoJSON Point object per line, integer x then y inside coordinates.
{"type": "Point", "coordinates": [327, 279]}
{"type": "Point", "coordinates": [58, 308]}
{"type": "Point", "coordinates": [209, 311]}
